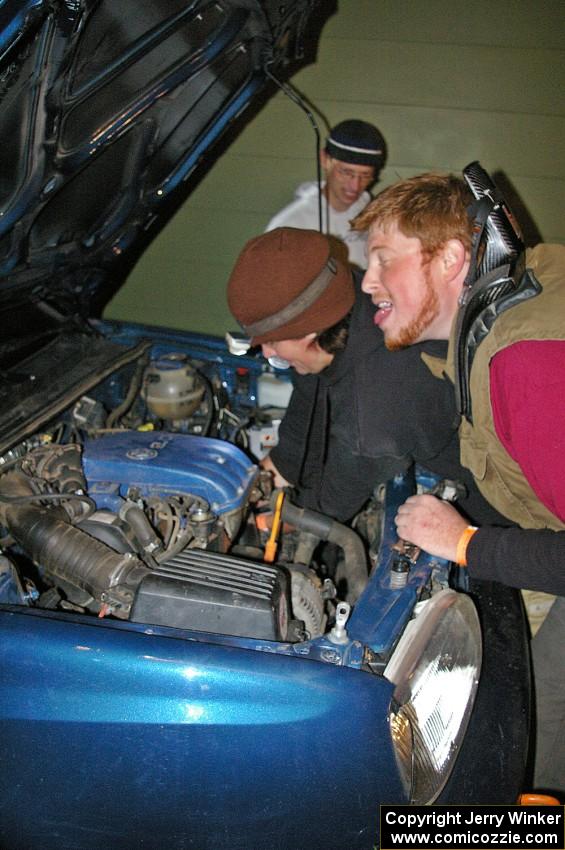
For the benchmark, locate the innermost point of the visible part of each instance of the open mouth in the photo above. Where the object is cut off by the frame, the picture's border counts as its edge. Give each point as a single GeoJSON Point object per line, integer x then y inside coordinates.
{"type": "Point", "coordinates": [383, 309]}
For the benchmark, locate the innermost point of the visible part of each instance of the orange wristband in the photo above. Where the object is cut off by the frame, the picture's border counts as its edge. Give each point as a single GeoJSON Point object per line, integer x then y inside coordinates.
{"type": "Point", "coordinates": [462, 543]}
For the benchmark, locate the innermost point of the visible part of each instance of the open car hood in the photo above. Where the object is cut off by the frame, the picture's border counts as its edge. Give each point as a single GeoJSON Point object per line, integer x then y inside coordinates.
{"type": "Point", "coordinates": [107, 114]}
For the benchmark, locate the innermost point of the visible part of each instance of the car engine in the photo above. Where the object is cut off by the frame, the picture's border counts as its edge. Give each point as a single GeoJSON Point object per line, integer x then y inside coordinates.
{"type": "Point", "coordinates": [166, 527]}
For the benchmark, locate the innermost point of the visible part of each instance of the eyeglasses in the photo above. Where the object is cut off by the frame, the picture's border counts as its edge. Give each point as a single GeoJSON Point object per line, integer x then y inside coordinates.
{"type": "Point", "coordinates": [349, 174]}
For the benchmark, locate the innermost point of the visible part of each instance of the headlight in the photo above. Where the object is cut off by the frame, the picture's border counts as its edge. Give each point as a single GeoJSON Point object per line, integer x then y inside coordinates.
{"type": "Point", "coordinates": [435, 668]}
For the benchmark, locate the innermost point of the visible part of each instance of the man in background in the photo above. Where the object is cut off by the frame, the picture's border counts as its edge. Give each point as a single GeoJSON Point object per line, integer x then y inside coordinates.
{"type": "Point", "coordinates": [353, 155]}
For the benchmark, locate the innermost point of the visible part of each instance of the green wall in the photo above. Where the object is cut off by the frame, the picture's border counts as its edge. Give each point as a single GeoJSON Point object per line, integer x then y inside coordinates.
{"type": "Point", "coordinates": [446, 81]}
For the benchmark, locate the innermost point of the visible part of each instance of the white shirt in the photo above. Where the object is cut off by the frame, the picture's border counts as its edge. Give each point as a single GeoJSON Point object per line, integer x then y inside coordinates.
{"type": "Point", "coordinates": [303, 213]}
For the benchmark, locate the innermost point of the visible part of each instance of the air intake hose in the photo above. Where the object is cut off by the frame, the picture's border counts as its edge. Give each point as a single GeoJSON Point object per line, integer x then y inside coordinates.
{"type": "Point", "coordinates": [325, 528]}
{"type": "Point", "coordinates": [67, 552]}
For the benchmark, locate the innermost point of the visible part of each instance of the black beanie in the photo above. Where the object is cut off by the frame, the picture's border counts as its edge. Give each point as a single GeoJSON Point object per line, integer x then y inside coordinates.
{"type": "Point", "coordinates": [357, 142]}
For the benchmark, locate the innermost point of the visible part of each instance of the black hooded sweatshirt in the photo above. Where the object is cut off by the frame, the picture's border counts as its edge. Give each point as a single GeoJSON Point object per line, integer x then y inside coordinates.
{"type": "Point", "coordinates": [367, 417]}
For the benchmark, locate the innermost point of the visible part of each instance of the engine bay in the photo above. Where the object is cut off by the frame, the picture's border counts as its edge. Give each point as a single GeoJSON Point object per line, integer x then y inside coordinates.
{"type": "Point", "coordinates": [144, 501]}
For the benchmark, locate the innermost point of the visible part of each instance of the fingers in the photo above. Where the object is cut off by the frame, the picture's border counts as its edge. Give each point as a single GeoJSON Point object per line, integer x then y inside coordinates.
{"type": "Point", "coordinates": [431, 524]}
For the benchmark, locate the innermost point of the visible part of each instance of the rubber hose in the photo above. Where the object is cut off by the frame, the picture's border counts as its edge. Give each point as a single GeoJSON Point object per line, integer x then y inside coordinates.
{"type": "Point", "coordinates": [70, 554]}
{"type": "Point", "coordinates": [355, 559]}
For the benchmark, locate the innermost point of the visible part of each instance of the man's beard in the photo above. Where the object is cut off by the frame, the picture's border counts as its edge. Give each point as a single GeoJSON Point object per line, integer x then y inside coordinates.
{"type": "Point", "coordinates": [428, 312]}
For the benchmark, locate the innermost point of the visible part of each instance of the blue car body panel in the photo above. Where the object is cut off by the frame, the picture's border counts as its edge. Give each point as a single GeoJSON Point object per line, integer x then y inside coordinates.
{"type": "Point", "coordinates": [201, 745]}
{"type": "Point", "coordinates": [381, 614]}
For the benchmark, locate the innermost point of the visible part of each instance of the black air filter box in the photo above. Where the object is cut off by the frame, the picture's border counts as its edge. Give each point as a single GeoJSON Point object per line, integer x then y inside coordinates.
{"type": "Point", "coordinates": [216, 593]}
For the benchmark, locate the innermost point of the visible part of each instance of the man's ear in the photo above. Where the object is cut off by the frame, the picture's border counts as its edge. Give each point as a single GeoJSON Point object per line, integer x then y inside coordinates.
{"type": "Point", "coordinates": [325, 159]}
{"type": "Point", "coordinates": [453, 259]}
{"type": "Point", "coordinates": [310, 338]}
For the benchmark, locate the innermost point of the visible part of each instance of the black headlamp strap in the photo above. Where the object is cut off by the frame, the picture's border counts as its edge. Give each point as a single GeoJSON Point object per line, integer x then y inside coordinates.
{"type": "Point", "coordinates": [478, 212]}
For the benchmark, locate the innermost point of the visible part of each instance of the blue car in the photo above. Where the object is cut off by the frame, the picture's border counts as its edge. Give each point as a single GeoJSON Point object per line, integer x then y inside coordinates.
{"type": "Point", "coordinates": [181, 666]}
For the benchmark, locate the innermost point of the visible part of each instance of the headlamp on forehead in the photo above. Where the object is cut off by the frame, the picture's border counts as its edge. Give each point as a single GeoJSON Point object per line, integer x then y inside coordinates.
{"type": "Point", "coordinates": [237, 343]}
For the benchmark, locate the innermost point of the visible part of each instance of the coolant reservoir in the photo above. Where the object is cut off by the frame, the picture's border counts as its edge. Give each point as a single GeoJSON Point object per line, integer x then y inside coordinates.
{"type": "Point", "coordinates": [172, 388]}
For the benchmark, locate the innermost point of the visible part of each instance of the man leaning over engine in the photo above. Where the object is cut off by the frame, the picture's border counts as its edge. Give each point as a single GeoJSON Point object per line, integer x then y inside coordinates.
{"type": "Point", "coordinates": [359, 414]}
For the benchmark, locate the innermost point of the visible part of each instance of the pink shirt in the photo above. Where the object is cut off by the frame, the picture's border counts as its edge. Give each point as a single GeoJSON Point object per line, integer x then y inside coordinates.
{"type": "Point", "coordinates": [527, 392]}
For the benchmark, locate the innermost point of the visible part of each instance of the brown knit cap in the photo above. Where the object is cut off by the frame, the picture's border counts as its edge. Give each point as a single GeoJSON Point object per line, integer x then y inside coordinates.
{"type": "Point", "coordinates": [285, 284]}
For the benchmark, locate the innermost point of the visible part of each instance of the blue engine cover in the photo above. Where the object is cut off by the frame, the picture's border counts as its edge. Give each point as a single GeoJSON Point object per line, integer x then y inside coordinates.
{"type": "Point", "coordinates": [163, 464]}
